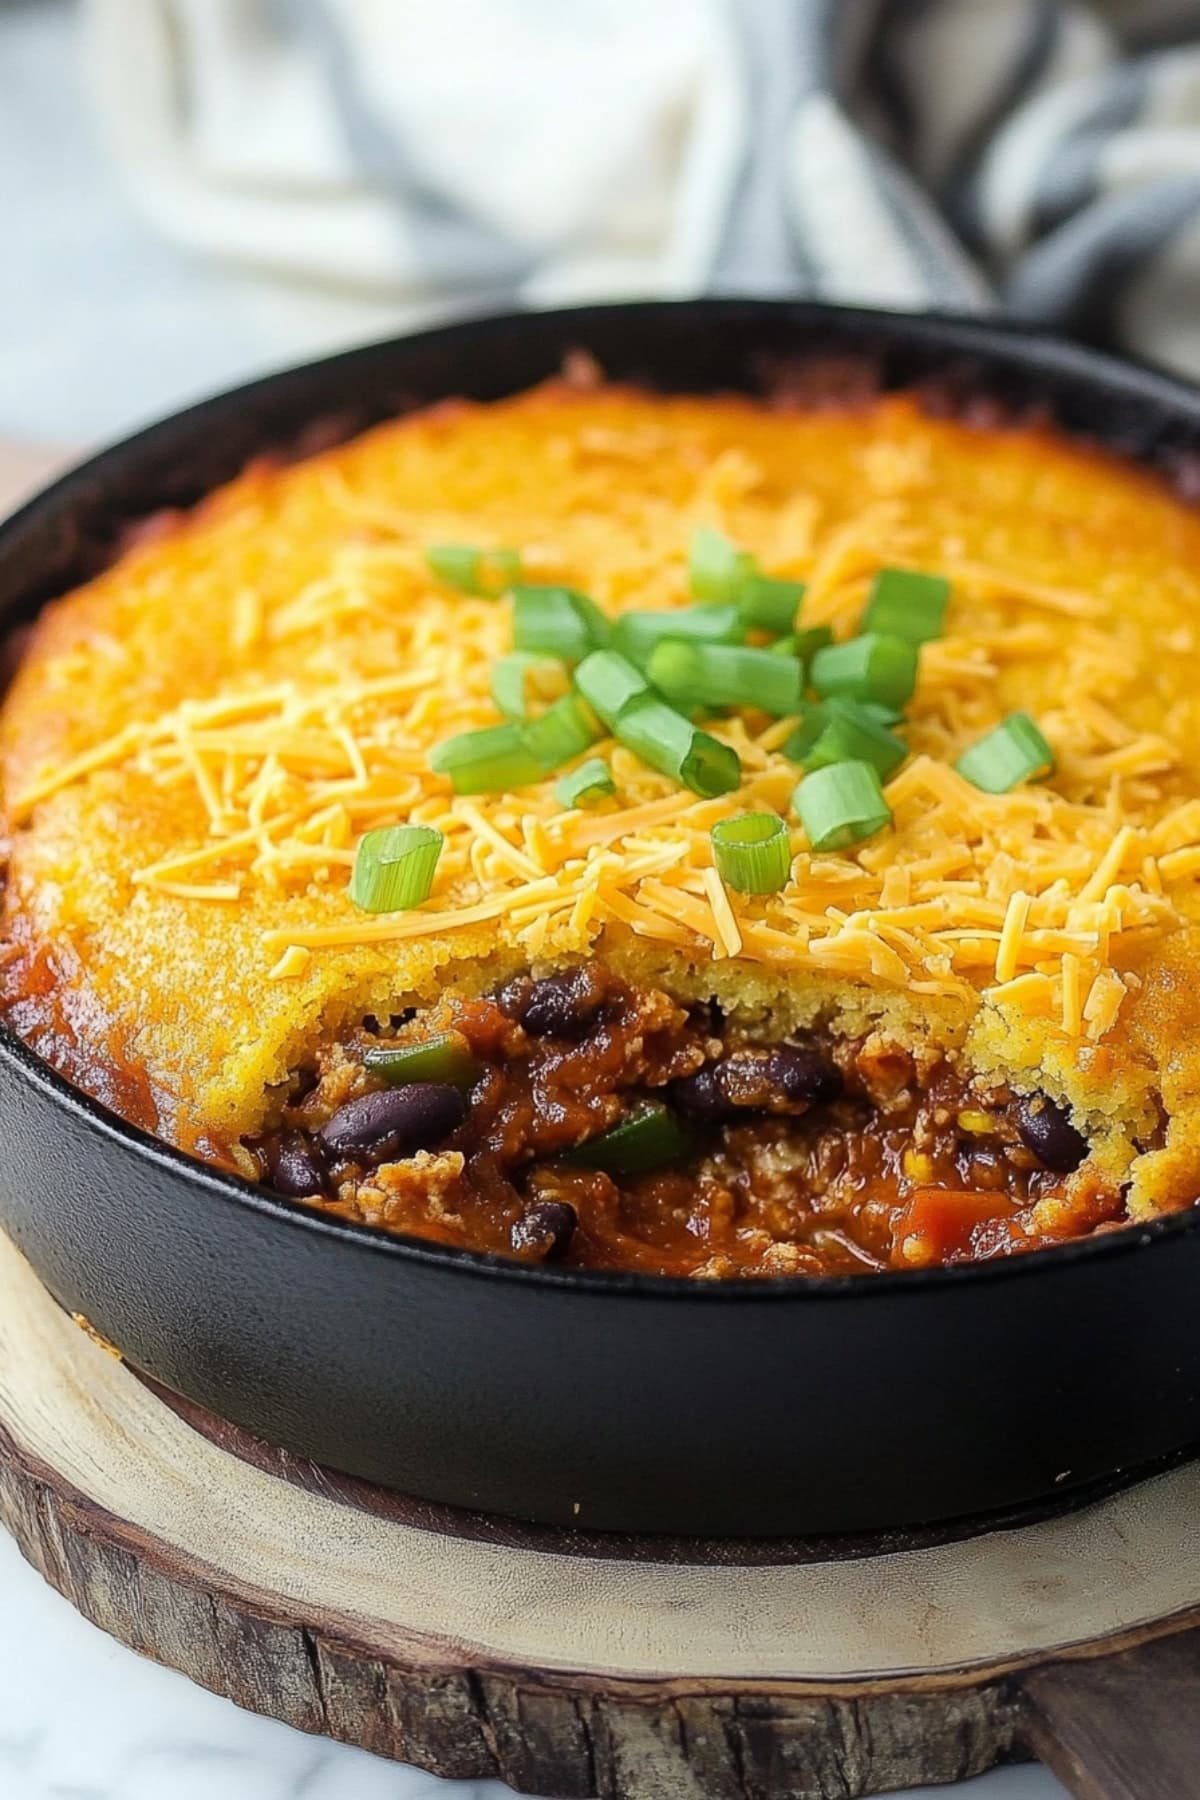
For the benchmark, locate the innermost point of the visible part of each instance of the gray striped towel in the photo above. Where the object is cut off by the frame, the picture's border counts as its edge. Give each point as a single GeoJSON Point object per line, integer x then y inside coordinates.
{"type": "Point", "coordinates": [1040, 156]}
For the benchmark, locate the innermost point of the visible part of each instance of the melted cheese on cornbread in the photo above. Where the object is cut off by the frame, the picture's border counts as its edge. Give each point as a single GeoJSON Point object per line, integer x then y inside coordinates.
{"type": "Point", "coordinates": [198, 738]}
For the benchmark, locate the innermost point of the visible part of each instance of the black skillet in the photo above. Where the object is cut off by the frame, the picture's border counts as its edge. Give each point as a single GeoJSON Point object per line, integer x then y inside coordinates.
{"type": "Point", "coordinates": [612, 1401]}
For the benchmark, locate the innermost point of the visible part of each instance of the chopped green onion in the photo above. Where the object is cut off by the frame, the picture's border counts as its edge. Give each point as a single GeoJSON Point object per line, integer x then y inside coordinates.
{"type": "Point", "coordinates": [591, 781]}
{"type": "Point", "coordinates": [803, 644]}
{"type": "Point", "coordinates": [492, 761]}
{"type": "Point", "coordinates": [635, 634]}
{"type": "Point", "coordinates": [514, 675]}
{"type": "Point", "coordinates": [1013, 752]}
{"type": "Point", "coordinates": [753, 853]}
{"type": "Point", "coordinates": [717, 569]}
{"type": "Point", "coordinates": [394, 866]}
{"type": "Point", "coordinates": [503, 757]}
{"type": "Point", "coordinates": [650, 1138]}
{"type": "Point", "coordinates": [814, 716]}
{"type": "Point", "coordinates": [557, 621]}
{"type": "Point", "coordinates": [841, 805]}
{"type": "Point", "coordinates": [609, 682]}
{"type": "Point", "coordinates": [726, 675]}
{"type": "Point", "coordinates": [472, 570]}
{"type": "Point", "coordinates": [872, 667]}
{"type": "Point", "coordinates": [769, 604]}
{"type": "Point", "coordinates": [442, 1057]}
{"type": "Point", "coordinates": [907, 603]}
{"type": "Point", "coordinates": [562, 732]}
{"type": "Point", "coordinates": [662, 737]}
{"type": "Point", "coordinates": [674, 746]}
{"type": "Point", "coordinates": [850, 734]}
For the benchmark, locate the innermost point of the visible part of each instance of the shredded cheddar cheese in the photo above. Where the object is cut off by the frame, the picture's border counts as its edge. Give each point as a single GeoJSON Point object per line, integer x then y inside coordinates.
{"type": "Point", "coordinates": [201, 736]}
{"type": "Point", "coordinates": [325, 783]}
{"type": "Point", "coordinates": [291, 964]}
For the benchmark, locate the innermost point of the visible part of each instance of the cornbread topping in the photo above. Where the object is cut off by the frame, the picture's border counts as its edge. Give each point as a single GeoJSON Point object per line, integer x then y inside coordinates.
{"type": "Point", "coordinates": [199, 742]}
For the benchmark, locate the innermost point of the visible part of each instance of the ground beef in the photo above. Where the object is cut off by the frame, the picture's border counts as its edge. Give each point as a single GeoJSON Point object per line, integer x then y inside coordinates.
{"type": "Point", "coordinates": [809, 1157]}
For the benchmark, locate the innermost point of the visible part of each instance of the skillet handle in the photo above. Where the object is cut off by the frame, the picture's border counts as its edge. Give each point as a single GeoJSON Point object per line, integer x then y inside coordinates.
{"type": "Point", "coordinates": [1125, 1726]}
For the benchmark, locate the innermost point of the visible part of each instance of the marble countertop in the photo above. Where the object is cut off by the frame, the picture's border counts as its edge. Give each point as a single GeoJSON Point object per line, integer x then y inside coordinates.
{"type": "Point", "coordinates": [102, 326]}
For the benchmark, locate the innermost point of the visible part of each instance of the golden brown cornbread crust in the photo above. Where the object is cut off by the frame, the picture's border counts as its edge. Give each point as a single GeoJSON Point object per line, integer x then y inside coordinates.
{"type": "Point", "coordinates": [165, 906]}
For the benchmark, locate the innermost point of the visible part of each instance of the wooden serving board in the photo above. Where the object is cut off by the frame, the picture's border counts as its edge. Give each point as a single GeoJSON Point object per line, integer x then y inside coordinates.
{"type": "Point", "coordinates": [636, 1670]}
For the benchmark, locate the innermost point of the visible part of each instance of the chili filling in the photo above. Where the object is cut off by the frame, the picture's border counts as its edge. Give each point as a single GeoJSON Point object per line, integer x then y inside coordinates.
{"type": "Point", "coordinates": [810, 1157]}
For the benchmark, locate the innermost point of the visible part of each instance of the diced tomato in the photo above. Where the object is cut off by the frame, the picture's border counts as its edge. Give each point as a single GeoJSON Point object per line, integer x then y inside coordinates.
{"type": "Point", "coordinates": [936, 1224]}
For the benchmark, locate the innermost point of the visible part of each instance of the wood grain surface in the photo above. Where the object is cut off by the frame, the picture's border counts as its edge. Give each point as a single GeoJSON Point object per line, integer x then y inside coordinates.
{"type": "Point", "coordinates": [445, 1708]}
{"type": "Point", "coordinates": [1121, 1727]}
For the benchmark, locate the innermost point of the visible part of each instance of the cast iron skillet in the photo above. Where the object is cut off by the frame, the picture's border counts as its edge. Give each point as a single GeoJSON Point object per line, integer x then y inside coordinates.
{"type": "Point", "coordinates": [604, 1400]}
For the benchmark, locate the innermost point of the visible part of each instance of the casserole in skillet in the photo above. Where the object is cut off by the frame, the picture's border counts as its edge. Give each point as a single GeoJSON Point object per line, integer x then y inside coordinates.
{"type": "Point", "coordinates": [591, 1395]}
{"type": "Point", "coordinates": [943, 676]}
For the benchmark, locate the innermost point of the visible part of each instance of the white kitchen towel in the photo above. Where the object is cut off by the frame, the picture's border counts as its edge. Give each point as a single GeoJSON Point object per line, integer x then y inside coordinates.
{"type": "Point", "coordinates": [1041, 156]}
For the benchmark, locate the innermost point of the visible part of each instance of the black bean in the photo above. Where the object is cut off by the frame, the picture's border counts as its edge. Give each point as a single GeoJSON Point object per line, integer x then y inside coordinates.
{"type": "Point", "coordinates": [545, 1230]}
{"type": "Point", "coordinates": [803, 1075]}
{"type": "Point", "coordinates": [395, 1122]}
{"type": "Point", "coordinates": [297, 1165]}
{"type": "Point", "coordinates": [514, 995]}
{"type": "Point", "coordinates": [702, 1096]}
{"type": "Point", "coordinates": [1046, 1130]}
{"type": "Point", "coordinates": [559, 1005]}
{"type": "Point", "coordinates": [747, 1081]}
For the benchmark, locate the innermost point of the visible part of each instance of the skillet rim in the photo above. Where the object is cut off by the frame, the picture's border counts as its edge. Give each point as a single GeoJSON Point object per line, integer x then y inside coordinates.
{"type": "Point", "coordinates": [1038, 353]}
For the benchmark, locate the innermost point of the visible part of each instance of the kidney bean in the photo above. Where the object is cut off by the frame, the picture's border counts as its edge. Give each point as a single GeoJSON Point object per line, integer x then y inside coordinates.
{"type": "Point", "coordinates": [747, 1081]}
{"type": "Point", "coordinates": [702, 1096]}
{"type": "Point", "coordinates": [297, 1165]}
{"type": "Point", "coordinates": [561, 1005]}
{"type": "Point", "coordinates": [545, 1230]}
{"type": "Point", "coordinates": [1045, 1129]}
{"type": "Point", "coordinates": [803, 1075]}
{"type": "Point", "coordinates": [377, 1127]}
